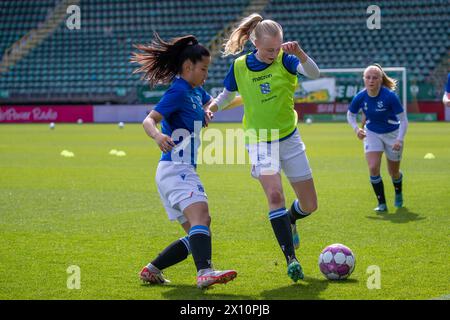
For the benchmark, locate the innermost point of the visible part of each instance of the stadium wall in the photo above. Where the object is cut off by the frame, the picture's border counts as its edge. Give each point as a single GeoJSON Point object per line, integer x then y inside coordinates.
{"type": "Point", "coordinates": [124, 113]}
{"type": "Point", "coordinates": [46, 113]}
{"type": "Point", "coordinates": [423, 111]}
{"type": "Point", "coordinates": [435, 108]}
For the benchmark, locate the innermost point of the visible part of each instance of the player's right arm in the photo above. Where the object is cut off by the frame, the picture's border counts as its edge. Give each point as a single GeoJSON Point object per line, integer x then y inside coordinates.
{"type": "Point", "coordinates": [164, 142]}
{"type": "Point", "coordinates": [351, 119]}
{"type": "Point", "coordinates": [363, 120]}
{"type": "Point", "coordinates": [446, 99]}
{"type": "Point", "coordinates": [352, 112]}
{"type": "Point", "coordinates": [225, 100]}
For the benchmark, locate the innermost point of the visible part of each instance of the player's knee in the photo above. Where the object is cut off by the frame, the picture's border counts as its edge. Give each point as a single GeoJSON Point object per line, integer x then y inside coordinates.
{"type": "Point", "coordinates": [205, 218]}
{"type": "Point", "coordinates": [395, 174]}
{"type": "Point", "coordinates": [374, 169]}
{"type": "Point", "coordinates": [275, 197]}
{"type": "Point", "coordinates": [208, 221]}
{"type": "Point", "coordinates": [198, 215]}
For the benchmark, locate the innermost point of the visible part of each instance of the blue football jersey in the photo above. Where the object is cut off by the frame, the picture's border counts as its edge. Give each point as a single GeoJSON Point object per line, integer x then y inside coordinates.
{"type": "Point", "coordinates": [290, 62]}
{"type": "Point", "coordinates": [380, 111]}
{"type": "Point", "coordinates": [182, 109]}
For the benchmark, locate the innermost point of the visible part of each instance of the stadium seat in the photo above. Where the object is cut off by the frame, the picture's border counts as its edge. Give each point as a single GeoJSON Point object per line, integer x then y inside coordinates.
{"type": "Point", "coordinates": [95, 59]}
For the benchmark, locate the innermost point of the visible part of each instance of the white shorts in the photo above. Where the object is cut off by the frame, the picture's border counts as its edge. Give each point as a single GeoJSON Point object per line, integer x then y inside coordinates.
{"type": "Point", "coordinates": [288, 155]}
{"type": "Point", "coordinates": [179, 186]}
{"type": "Point", "coordinates": [379, 142]}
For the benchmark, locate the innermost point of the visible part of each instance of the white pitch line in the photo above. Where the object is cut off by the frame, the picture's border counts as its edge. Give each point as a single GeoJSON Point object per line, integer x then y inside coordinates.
{"type": "Point", "coordinates": [444, 297]}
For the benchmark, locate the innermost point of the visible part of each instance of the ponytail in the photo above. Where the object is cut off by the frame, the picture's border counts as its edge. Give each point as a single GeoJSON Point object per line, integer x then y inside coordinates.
{"type": "Point", "coordinates": [251, 28]}
{"type": "Point", "coordinates": [241, 34]}
{"type": "Point", "coordinates": [161, 61]}
{"type": "Point", "coordinates": [387, 81]}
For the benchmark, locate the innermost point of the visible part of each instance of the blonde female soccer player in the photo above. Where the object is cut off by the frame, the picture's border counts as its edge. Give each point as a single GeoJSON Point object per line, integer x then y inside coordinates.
{"type": "Point", "coordinates": [184, 63]}
{"type": "Point", "coordinates": [266, 80]}
{"type": "Point", "coordinates": [384, 130]}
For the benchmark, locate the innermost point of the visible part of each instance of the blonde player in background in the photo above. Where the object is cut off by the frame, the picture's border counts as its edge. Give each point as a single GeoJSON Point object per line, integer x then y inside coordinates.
{"type": "Point", "coordinates": [384, 130]}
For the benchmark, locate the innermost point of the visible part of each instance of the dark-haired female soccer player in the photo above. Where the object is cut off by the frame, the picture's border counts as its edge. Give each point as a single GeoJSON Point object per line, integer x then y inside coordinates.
{"type": "Point", "coordinates": [184, 63]}
{"type": "Point", "coordinates": [384, 130]}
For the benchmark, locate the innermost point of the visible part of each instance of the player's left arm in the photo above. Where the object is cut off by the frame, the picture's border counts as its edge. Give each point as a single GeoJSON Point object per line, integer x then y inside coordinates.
{"type": "Point", "coordinates": [401, 131]}
{"type": "Point", "coordinates": [402, 117]}
{"type": "Point", "coordinates": [446, 97]}
{"type": "Point", "coordinates": [306, 65]}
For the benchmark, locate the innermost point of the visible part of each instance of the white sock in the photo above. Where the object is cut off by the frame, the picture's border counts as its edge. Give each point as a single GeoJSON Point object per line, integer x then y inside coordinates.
{"type": "Point", "coordinates": [203, 271]}
{"type": "Point", "coordinates": [153, 268]}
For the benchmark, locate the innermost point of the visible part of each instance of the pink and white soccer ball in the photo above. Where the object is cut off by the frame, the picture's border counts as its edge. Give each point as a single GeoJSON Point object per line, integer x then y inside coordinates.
{"type": "Point", "coordinates": [336, 262]}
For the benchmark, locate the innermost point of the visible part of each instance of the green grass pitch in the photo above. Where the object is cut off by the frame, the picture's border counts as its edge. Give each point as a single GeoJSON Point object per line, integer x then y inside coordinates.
{"type": "Point", "coordinates": [102, 213]}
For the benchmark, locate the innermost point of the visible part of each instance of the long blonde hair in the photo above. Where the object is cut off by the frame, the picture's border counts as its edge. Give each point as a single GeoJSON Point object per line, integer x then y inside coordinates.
{"type": "Point", "coordinates": [387, 81]}
{"type": "Point", "coordinates": [251, 28]}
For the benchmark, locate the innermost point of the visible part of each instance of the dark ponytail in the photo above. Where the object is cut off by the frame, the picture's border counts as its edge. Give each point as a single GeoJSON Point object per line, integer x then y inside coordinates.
{"type": "Point", "coordinates": [161, 61]}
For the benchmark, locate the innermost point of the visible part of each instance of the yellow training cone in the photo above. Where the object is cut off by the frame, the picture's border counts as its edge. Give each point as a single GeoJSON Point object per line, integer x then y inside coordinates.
{"type": "Point", "coordinates": [67, 154]}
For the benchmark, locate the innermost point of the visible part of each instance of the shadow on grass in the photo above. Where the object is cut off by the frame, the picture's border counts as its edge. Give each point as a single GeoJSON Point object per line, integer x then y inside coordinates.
{"type": "Point", "coordinates": [307, 289]}
{"type": "Point", "coordinates": [187, 292]}
{"type": "Point", "coordinates": [401, 215]}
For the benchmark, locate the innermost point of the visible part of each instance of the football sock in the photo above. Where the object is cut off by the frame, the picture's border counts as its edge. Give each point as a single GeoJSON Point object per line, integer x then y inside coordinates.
{"type": "Point", "coordinates": [200, 243]}
{"type": "Point", "coordinates": [281, 226]}
{"type": "Point", "coordinates": [296, 212]}
{"type": "Point", "coordinates": [378, 187]}
{"type": "Point", "coordinates": [176, 252]}
{"type": "Point", "coordinates": [398, 184]}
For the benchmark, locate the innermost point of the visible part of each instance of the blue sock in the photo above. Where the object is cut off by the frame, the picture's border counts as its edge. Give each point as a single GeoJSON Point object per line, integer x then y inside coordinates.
{"type": "Point", "coordinates": [398, 184]}
{"type": "Point", "coordinates": [200, 243]}
{"type": "Point", "coordinates": [378, 188]}
{"type": "Point", "coordinates": [176, 252]}
{"type": "Point", "coordinates": [296, 212]}
{"type": "Point", "coordinates": [281, 226]}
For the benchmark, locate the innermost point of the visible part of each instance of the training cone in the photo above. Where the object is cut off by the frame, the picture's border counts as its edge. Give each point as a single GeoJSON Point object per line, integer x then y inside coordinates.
{"type": "Point", "coordinates": [429, 156]}
{"type": "Point", "coordinates": [67, 154]}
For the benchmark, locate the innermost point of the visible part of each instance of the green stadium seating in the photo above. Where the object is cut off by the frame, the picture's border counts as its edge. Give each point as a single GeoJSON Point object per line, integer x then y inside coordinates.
{"type": "Point", "coordinates": [95, 59]}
